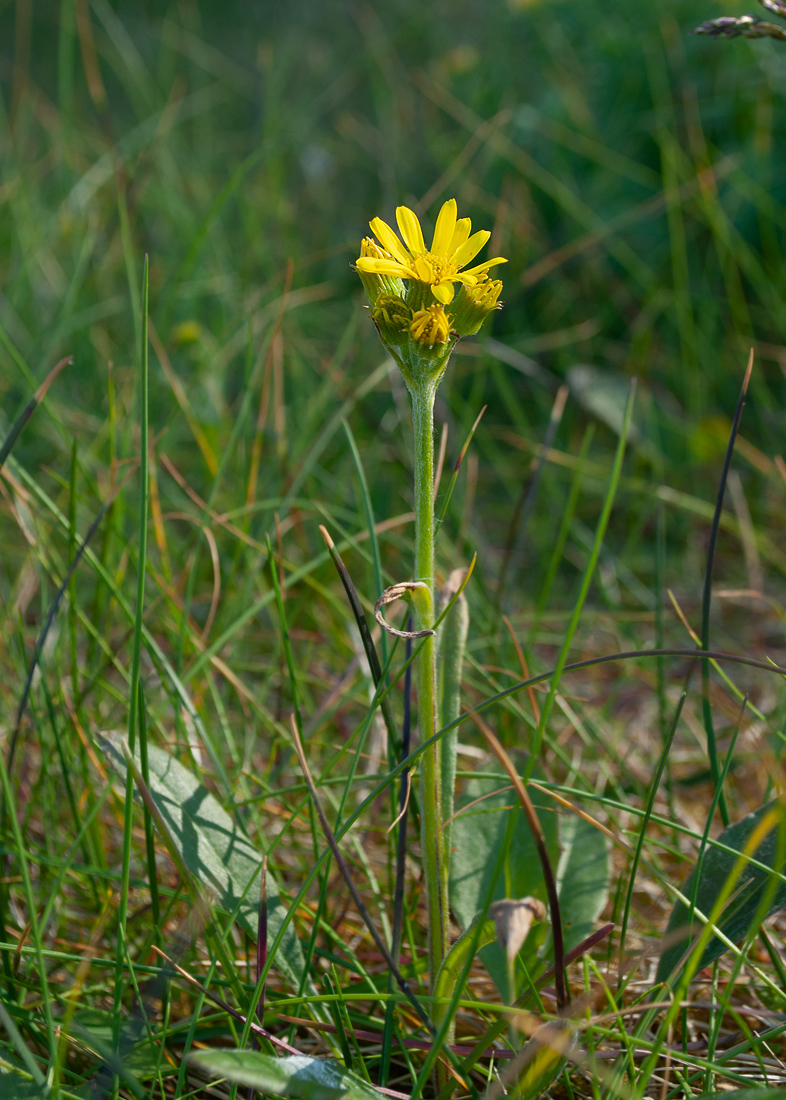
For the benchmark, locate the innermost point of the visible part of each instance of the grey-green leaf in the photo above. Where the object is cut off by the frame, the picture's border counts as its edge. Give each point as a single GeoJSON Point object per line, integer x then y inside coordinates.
{"type": "Point", "coordinates": [475, 843]}
{"type": "Point", "coordinates": [215, 850]}
{"type": "Point", "coordinates": [604, 394]}
{"type": "Point", "coordinates": [295, 1075]}
{"type": "Point", "coordinates": [737, 919]}
{"type": "Point", "coordinates": [16, 1088]}
{"type": "Point", "coordinates": [582, 877]}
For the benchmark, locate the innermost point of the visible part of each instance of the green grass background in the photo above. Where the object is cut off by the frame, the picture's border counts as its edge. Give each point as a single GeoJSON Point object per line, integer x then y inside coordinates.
{"type": "Point", "coordinates": [229, 140]}
{"type": "Point", "coordinates": [635, 177]}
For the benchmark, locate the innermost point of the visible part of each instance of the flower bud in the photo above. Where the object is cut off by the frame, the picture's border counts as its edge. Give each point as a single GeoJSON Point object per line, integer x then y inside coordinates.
{"type": "Point", "coordinates": [473, 304]}
{"type": "Point", "coordinates": [431, 326]}
{"type": "Point", "coordinates": [392, 317]}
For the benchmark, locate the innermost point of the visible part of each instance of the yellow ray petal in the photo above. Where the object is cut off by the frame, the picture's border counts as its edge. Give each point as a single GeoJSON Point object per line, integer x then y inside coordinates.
{"type": "Point", "coordinates": [423, 269]}
{"type": "Point", "coordinates": [460, 235]}
{"type": "Point", "coordinates": [409, 228]}
{"type": "Point", "coordinates": [388, 239]}
{"type": "Point", "coordinates": [444, 229]}
{"type": "Point", "coordinates": [485, 266]}
{"type": "Point", "coordinates": [443, 292]}
{"type": "Point", "coordinates": [470, 248]}
{"type": "Point", "coordinates": [384, 267]}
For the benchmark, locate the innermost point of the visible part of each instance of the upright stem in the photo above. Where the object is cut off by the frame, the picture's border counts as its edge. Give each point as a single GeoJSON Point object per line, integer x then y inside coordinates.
{"type": "Point", "coordinates": [435, 862]}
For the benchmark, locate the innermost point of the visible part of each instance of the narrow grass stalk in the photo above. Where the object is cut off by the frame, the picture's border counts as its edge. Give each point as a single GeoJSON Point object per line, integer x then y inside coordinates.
{"type": "Point", "coordinates": [770, 821]}
{"type": "Point", "coordinates": [135, 663]}
{"type": "Point", "coordinates": [642, 833]}
{"type": "Point", "coordinates": [452, 643]}
{"type": "Point", "coordinates": [709, 727]}
{"type": "Point", "coordinates": [53, 609]}
{"type": "Point", "coordinates": [456, 468]}
{"type": "Point", "coordinates": [372, 532]}
{"type": "Point", "coordinates": [360, 905]}
{"type": "Point", "coordinates": [586, 581]}
{"type": "Point", "coordinates": [711, 813]}
{"type": "Point", "coordinates": [32, 908]}
{"type": "Point", "coordinates": [455, 970]}
{"type": "Point", "coordinates": [517, 532]}
{"type": "Point", "coordinates": [365, 633]}
{"type": "Point", "coordinates": [29, 409]}
{"type": "Point", "coordinates": [401, 861]}
{"type": "Point", "coordinates": [150, 847]}
{"type": "Point", "coordinates": [564, 530]}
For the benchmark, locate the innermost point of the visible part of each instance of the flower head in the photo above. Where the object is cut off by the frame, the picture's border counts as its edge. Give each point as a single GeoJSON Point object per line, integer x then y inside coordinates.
{"type": "Point", "coordinates": [431, 326]}
{"type": "Point", "coordinates": [392, 317]}
{"type": "Point", "coordinates": [439, 267]}
{"type": "Point", "coordinates": [376, 285]}
{"type": "Point", "coordinates": [473, 304]}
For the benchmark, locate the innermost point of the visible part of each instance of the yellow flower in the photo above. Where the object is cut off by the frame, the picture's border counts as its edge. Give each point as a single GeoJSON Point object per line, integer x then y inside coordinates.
{"type": "Point", "coordinates": [474, 304]}
{"type": "Point", "coordinates": [431, 326]}
{"type": "Point", "coordinates": [438, 267]}
{"type": "Point", "coordinates": [374, 284]}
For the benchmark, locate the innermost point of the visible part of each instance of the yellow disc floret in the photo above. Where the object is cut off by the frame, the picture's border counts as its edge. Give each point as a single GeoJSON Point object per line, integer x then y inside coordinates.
{"type": "Point", "coordinates": [431, 326]}
{"type": "Point", "coordinates": [438, 267]}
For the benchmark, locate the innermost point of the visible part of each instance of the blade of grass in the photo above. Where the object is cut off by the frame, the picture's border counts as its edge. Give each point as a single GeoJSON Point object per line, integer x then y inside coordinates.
{"type": "Point", "coordinates": [150, 846]}
{"type": "Point", "coordinates": [456, 468]}
{"type": "Point", "coordinates": [408, 761]}
{"type": "Point", "coordinates": [448, 1013]}
{"type": "Point", "coordinates": [53, 608]}
{"type": "Point", "coordinates": [365, 633]}
{"type": "Point", "coordinates": [136, 657]}
{"type": "Point", "coordinates": [586, 581]}
{"type": "Point", "coordinates": [372, 531]}
{"type": "Point", "coordinates": [30, 407]}
{"type": "Point", "coordinates": [32, 903]}
{"type": "Point", "coordinates": [706, 600]}
{"type": "Point", "coordinates": [562, 536]}
{"type": "Point", "coordinates": [642, 833]}
{"type": "Point", "coordinates": [359, 903]}
{"type": "Point", "coordinates": [517, 531]}
{"type": "Point", "coordinates": [401, 861]}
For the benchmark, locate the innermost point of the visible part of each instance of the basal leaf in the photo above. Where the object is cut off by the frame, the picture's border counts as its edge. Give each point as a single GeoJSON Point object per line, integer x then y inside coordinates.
{"type": "Point", "coordinates": [475, 843]}
{"type": "Point", "coordinates": [216, 852]}
{"type": "Point", "coordinates": [295, 1075]}
{"type": "Point", "coordinates": [604, 394]}
{"type": "Point", "coordinates": [13, 1087]}
{"type": "Point", "coordinates": [582, 877]}
{"type": "Point", "coordinates": [738, 916]}
{"type": "Point", "coordinates": [139, 1055]}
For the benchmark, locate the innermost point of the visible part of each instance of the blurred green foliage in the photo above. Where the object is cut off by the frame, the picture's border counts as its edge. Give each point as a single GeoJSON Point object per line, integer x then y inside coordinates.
{"type": "Point", "coordinates": [243, 136]}
{"type": "Point", "coordinates": [632, 173]}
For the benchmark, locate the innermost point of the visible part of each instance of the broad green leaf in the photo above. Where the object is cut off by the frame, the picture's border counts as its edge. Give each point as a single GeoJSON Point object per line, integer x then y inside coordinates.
{"type": "Point", "coordinates": [216, 852]}
{"type": "Point", "coordinates": [295, 1075]}
{"type": "Point", "coordinates": [16, 1089]}
{"type": "Point", "coordinates": [736, 920]}
{"type": "Point", "coordinates": [13, 1087]}
{"type": "Point", "coordinates": [475, 842]}
{"type": "Point", "coordinates": [138, 1054]}
{"type": "Point", "coordinates": [582, 877]}
{"type": "Point", "coordinates": [604, 394]}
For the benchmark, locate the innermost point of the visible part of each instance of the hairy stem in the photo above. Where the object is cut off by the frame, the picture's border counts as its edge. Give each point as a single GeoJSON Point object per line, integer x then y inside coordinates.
{"type": "Point", "coordinates": [435, 862]}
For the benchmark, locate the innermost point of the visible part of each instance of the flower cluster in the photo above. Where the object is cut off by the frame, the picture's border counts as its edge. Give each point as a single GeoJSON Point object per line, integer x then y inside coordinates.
{"type": "Point", "coordinates": [412, 289]}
